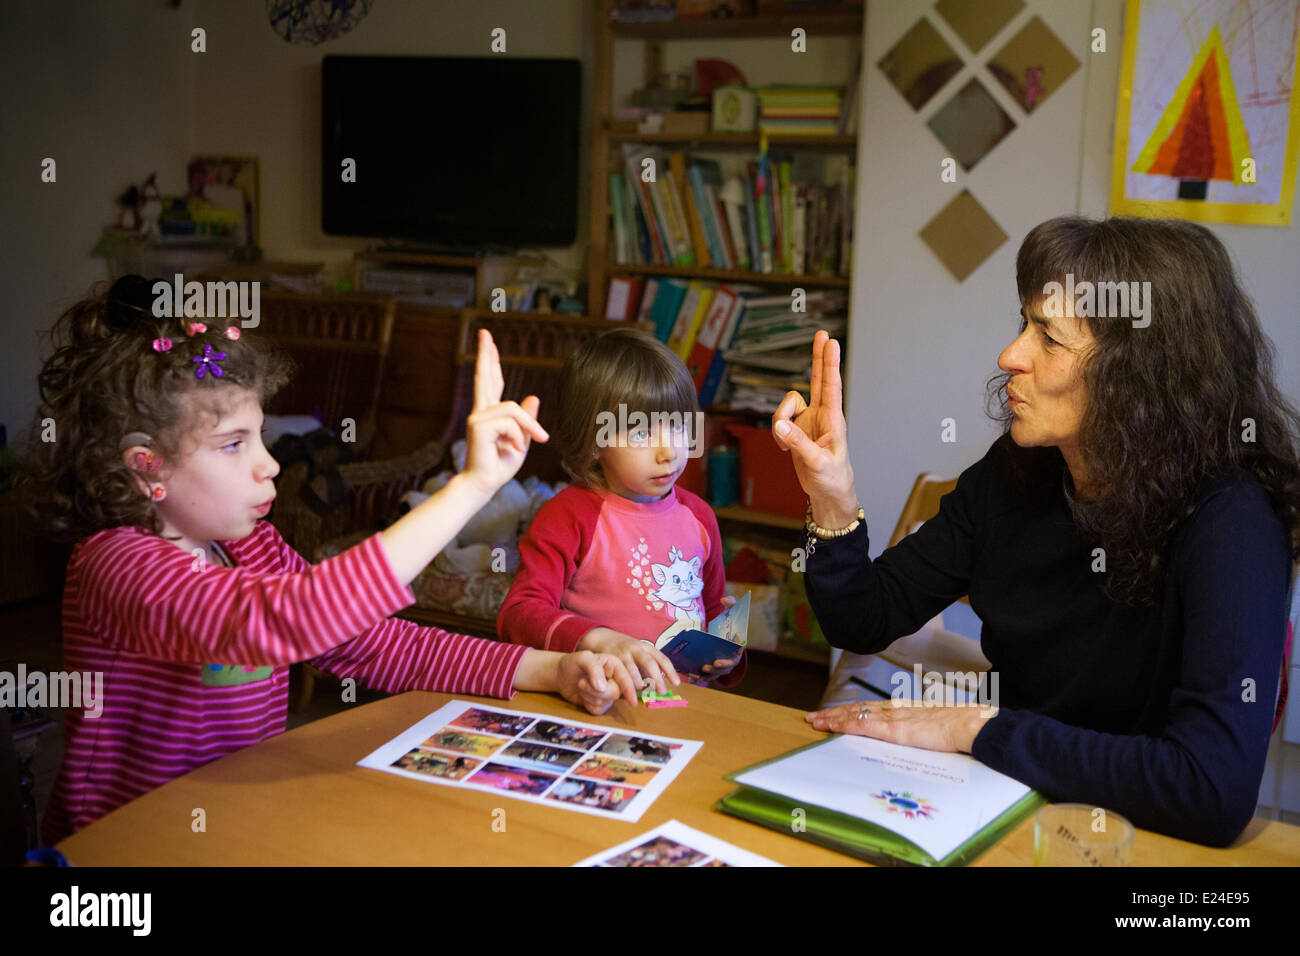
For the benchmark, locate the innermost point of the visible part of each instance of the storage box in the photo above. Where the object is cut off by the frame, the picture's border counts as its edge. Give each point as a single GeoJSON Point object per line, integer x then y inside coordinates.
{"type": "Point", "coordinates": [767, 479]}
{"type": "Point", "coordinates": [735, 110]}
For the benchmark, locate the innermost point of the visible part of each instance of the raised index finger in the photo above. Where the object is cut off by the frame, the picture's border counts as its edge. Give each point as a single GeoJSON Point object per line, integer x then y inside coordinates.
{"type": "Point", "coordinates": [488, 383]}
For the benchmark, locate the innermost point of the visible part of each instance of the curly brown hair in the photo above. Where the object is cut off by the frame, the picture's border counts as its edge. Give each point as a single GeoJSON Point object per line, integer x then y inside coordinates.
{"type": "Point", "coordinates": [1170, 405]}
{"type": "Point", "coordinates": [104, 380]}
{"type": "Point", "coordinates": [623, 366]}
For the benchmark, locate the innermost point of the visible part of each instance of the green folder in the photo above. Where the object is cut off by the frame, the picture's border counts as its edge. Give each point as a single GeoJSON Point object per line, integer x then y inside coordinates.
{"type": "Point", "coordinates": [858, 837]}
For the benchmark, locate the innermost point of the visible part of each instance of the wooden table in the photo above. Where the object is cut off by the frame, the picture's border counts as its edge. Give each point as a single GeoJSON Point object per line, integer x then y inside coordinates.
{"type": "Point", "coordinates": [299, 799]}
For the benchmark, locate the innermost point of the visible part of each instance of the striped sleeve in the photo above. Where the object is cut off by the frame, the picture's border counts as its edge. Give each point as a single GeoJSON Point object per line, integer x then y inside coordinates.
{"type": "Point", "coordinates": [152, 598]}
{"type": "Point", "coordinates": [396, 655]}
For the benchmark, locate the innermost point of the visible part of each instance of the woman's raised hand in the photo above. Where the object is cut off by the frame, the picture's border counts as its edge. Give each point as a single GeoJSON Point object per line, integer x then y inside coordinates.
{"type": "Point", "coordinates": [497, 433]}
{"type": "Point", "coordinates": [817, 438]}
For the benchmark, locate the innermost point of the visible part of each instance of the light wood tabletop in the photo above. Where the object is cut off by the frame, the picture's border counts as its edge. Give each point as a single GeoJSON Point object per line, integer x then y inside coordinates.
{"type": "Point", "coordinates": [299, 799]}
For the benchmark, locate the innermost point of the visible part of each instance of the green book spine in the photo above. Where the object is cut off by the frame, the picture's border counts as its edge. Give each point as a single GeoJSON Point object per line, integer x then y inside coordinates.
{"type": "Point", "coordinates": [616, 193]}
{"type": "Point", "coordinates": [787, 217]}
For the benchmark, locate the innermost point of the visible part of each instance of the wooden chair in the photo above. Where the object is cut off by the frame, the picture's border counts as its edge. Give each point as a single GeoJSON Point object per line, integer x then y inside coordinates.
{"type": "Point", "coordinates": [340, 345]}
{"type": "Point", "coordinates": [933, 647]}
{"type": "Point", "coordinates": [533, 349]}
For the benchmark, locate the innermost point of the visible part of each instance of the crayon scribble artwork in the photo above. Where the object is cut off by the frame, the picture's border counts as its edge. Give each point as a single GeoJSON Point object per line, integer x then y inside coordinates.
{"type": "Point", "coordinates": [1208, 123]}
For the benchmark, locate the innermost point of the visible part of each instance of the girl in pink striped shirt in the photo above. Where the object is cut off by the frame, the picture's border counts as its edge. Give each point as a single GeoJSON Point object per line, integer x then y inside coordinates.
{"type": "Point", "coordinates": [191, 607]}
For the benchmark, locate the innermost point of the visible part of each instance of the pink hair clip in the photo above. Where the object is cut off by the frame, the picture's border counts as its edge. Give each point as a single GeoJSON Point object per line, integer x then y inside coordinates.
{"type": "Point", "coordinates": [162, 345]}
{"type": "Point", "coordinates": [232, 332]}
{"type": "Point", "coordinates": [194, 328]}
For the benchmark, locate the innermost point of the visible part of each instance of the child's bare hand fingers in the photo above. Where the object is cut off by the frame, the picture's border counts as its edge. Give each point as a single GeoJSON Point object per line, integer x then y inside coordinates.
{"type": "Point", "coordinates": [666, 666]}
{"type": "Point", "coordinates": [618, 676]}
{"type": "Point", "coordinates": [488, 382]}
{"type": "Point", "coordinates": [649, 663]}
{"type": "Point", "coordinates": [518, 414]}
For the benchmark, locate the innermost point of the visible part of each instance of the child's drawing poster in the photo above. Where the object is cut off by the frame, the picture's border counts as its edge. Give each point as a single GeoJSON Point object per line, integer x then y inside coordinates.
{"type": "Point", "coordinates": [1208, 124]}
{"type": "Point", "coordinates": [536, 757]}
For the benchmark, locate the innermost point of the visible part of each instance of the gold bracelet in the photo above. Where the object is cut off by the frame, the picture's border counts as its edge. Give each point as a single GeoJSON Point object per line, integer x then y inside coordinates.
{"type": "Point", "coordinates": [816, 531]}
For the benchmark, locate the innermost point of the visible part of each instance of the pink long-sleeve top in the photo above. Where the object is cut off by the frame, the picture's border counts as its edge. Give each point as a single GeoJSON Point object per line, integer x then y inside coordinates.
{"type": "Point", "coordinates": [195, 656]}
{"type": "Point", "coordinates": [592, 559]}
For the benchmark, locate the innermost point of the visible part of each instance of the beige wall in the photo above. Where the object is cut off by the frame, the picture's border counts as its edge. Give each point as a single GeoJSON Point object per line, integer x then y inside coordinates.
{"type": "Point", "coordinates": [103, 89]}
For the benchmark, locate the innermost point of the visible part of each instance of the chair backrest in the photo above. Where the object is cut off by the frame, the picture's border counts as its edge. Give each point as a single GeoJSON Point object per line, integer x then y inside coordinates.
{"type": "Point", "coordinates": [340, 345]}
{"type": "Point", "coordinates": [533, 348]}
{"type": "Point", "coordinates": [922, 504]}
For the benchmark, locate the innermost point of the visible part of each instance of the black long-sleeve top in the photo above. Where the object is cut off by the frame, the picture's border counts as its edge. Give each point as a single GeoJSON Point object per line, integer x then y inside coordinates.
{"type": "Point", "coordinates": [1160, 713]}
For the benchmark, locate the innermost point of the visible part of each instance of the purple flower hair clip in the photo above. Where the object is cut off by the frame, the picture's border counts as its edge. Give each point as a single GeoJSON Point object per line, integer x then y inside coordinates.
{"type": "Point", "coordinates": [209, 360]}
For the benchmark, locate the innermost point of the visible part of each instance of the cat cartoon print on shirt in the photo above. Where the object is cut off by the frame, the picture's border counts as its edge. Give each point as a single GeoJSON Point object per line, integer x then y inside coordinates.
{"type": "Point", "coordinates": [680, 588]}
{"type": "Point", "coordinates": [676, 588]}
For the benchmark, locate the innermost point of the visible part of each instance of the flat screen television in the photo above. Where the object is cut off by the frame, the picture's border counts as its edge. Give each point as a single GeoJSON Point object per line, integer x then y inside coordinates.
{"type": "Point", "coordinates": [451, 152]}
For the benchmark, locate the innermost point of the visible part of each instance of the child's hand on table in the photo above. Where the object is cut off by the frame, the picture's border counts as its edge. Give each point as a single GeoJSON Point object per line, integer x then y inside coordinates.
{"type": "Point", "coordinates": [639, 657]}
{"type": "Point", "coordinates": [595, 681]}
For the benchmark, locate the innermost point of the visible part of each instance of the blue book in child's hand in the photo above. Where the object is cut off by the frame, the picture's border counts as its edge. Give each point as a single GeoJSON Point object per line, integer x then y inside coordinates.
{"type": "Point", "coordinates": [689, 650]}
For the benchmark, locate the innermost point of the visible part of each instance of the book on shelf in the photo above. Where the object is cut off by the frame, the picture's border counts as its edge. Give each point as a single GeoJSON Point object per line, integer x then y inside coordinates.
{"type": "Point", "coordinates": [795, 359]}
{"type": "Point", "coordinates": [695, 306]}
{"type": "Point", "coordinates": [667, 303]}
{"type": "Point", "coordinates": [624, 299]}
{"type": "Point", "coordinates": [715, 332]}
{"type": "Point", "coordinates": [647, 300]}
{"type": "Point", "coordinates": [682, 178]}
{"type": "Point", "coordinates": [799, 110]}
{"type": "Point", "coordinates": [776, 215]}
{"type": "Point", "coordinates": [731, 334]}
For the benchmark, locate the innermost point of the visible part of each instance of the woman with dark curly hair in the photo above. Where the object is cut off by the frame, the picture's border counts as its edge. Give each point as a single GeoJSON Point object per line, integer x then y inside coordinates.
{"type": "Point", "coordinates": [1127, 541]}
{"type": "Point", "coordinates": [190, 606]}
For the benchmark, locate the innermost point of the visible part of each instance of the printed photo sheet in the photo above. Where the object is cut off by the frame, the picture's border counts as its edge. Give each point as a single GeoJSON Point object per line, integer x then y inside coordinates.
{"type": "Point", "coordinates": [675, 844]}
{"type": "Point", "coordinates": [936, 800]}
{"type": "Point", "coordinates": [549, 760]}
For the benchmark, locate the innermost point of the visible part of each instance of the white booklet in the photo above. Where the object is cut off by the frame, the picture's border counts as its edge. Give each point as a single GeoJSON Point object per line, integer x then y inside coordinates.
{"type": "Point", "coordinates": [937, 801]}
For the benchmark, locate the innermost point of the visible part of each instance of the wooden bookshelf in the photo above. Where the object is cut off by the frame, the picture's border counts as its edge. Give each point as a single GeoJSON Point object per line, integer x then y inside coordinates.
{"type": "Point", "coordinates": [735, 275]}
{"type": "Point", "coordinates": [815, 24]}
{"type": "Point", "coordinates": [734, 140]}
{"type": "Point", "coordinates": [605, 137]}
{"type": "Point", "coordinates": [746, 515]}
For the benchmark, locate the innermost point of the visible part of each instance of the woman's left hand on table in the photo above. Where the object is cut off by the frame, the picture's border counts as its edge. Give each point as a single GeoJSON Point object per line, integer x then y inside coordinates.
{"type": "Point", "coordinates": [912, 723]}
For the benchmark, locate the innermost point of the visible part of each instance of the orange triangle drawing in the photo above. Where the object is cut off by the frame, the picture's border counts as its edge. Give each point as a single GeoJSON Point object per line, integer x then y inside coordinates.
{"type": "Point", "coordinates": [1200, 134]}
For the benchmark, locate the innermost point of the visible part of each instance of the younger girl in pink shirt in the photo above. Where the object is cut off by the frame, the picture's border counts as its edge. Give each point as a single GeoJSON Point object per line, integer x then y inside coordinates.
{"type": "Point", "coordinates": [624, 555]}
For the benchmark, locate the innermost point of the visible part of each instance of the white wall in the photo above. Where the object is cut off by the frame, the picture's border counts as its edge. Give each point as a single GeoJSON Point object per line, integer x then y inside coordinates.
{"type": "Point", "coordinates": [921, 344]}
{"type": "Point", "coordinates": [104, 90]}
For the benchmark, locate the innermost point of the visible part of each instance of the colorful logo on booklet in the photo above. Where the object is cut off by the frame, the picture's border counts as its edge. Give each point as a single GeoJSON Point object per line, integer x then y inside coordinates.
{"type": "Point", "coordinates": [905, 803]}
{"type": "Point", "coordinates": [231, 675]}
